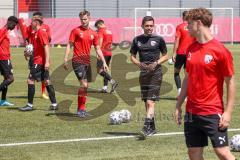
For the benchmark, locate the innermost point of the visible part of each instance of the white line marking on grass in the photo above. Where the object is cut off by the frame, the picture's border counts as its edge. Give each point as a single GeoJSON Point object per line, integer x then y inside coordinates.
{"type": "Point", "coordinates": [93, 139]}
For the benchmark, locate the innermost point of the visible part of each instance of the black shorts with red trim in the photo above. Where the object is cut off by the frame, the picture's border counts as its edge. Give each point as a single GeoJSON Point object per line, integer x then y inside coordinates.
{"type": "Point", "coordinates": [82, 71]}
{"type": "Point", "coordinates": [38, 73]}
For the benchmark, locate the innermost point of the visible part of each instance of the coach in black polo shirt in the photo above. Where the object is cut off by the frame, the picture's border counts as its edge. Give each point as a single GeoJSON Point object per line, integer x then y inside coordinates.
{"type": "Point", "coordinates": [149, 46]}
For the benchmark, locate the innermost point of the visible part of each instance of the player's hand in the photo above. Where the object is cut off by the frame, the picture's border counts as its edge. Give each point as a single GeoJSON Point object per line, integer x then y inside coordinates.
{"type": "Point", "coordinates": [143, 66]}
{"type": "Point", "coordinates": [46, 66]}
{"type": "Point", "coordinates": [224, 121]}
{"type": "Point", "coordinates": [178, 115]}
{"type": "Point", "coordinates": [26, 56]}
{"type": "Point", "coordinates": [152, 66]}
{"type": "Point", "coordinates": [174, 57]}
{"type": "Point", "coordinates": [65, 66]}
{"type": "Point", "coordinates": [105, 67]}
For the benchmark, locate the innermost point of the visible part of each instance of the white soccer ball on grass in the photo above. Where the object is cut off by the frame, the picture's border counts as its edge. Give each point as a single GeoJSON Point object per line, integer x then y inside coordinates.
{"type": "Point", "coordinates": [125, 115]}
{"type": "Point", "coordinates": [115, 118]}
{"type": "Point", "coordinates": [234, 143]}
{"type": "Point", "coordinates": [170, 61]}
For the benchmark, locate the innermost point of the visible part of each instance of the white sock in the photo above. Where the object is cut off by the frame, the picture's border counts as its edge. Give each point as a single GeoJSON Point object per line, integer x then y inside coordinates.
{"type": "Point", "coordinates": [30, 105]}
{"type": "Point", "coordinates": [105, 87]}
{"type": "Point", "coordinates": [179, 91]}
{"type": "Point", "coordinates": [54, 104]}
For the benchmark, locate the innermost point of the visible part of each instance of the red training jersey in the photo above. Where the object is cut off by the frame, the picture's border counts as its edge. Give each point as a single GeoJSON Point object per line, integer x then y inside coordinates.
{"type": "Point", "coordinates": [40, 40]}
{"type": "Point", "coordinates": [207, 65]}
{"type": "Point", "coordinates": [107, 37]}
{"type": "Point", "coordinates": [185, 40]}
{"type": "Point", "coordinates": [82, 39]}
{"type": "Point", "coordinates": [4, 44]}
{"type": "Point", "coordinates": [31, 32]}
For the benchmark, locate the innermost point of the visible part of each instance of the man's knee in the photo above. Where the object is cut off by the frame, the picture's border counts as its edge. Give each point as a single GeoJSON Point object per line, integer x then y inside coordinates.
{"type": "Point", "coordinates": [224, 153]}
{"type": "Point", "coordinates": [9, 79]}
{"type": "Point", "coordinates": [47, 82]}
{"type": "Point", "coordinates": [195, 153]}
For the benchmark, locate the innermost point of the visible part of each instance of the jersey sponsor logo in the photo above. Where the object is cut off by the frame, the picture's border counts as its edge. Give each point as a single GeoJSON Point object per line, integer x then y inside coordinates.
{"type": "Point", "coordinates": [208, 58]}
{"type": "Point", "coordinates": [139, 44]}
{"type": "Point", "coordinates": [153, 43]}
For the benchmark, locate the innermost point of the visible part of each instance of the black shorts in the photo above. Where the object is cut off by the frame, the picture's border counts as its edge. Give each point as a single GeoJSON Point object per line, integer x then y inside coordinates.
{"type": "Point", "coordinates": [107, 59]}
{"type": "Point", "coordinates": [180, 61]}
{"type": "Point", "coordinates": [30, 62]}
{"type": "Point", "coordinates": [82, 71]}
{"type": "Point", "coordinates": [197, 129]}
{"type": "Point", "coordinates": [38, 73]}
{"type": "Point", "coordinates": [6, 67]}
{"type": "Point", "coordinates": [150, 83]}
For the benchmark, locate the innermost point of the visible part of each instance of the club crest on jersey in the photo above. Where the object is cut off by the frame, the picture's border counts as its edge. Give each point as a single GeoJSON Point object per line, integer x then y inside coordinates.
{"type": "Point", "coordinates": [92, 37]}
{"type": "Point", "coordinates": [81, 34]}
{"type": "Point", "coordinates": [208, 58]}
{"type": "Point", "coordinates": [153, 43]}
{"type": "Point", "coordinates": [139, 44]}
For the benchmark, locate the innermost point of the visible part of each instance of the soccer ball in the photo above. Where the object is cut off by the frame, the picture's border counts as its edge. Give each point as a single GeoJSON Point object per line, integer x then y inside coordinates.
{"type": "Point", "coordinates": [170, 61]}
{"type": "Point", "coordinates": [125, 115]}
{"type": "Point", "coordinates": [115, 118]}
{"type": "Point", "coordinates": [29, 49]}
{"type": "Point", "coordinates": [235, 143]}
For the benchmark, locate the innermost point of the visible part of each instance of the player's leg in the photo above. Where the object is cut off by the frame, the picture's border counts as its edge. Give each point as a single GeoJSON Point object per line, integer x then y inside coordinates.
{"type": "Point", "coordinates": [50, 89]}
{"type": "Point", "coordinates": [81, 71]}
{"type": "Point", "coordinates": [219, 138]}
{"type": "Point", "coordinates": [224, 153]}
{"type": "Point", "coordinates": [82, 98]}
{"type": "Point", "coordinates": [195, 137]}
{"type": "Point", "coordinates": [34, 75]}
{"type": "Point", "coordinates": [6, 71]}
{"type": "Point", "coordinates": [106, 77]}
{"type": "Point", "coordinates": [177, 68]}
{"type": "Point", "coordinates": [195, 153]}
{"type": "Point", "coordinates": [43, 90]}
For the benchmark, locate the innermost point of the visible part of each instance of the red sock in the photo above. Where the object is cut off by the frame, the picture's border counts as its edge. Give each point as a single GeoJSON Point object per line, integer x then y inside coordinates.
{"type": "Point", "coordinates": [43, 88]}
{"type": "Point", "coordinates": [82, 97]}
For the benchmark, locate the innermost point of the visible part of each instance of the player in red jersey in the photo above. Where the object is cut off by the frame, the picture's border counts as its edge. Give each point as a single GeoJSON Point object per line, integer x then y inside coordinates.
{"type": "Point", "coordinates": [209, 65]}
{"type": "Point", "coordinates": [5, 62]}
{"type": "Point", "coordinates": [182, 41]}
{"type": "Point", "coordinates": [105, 42]}
{"type": "Point", "coordinates": [29, 40]}
{"type": "Point", "coordinates": [39, 71]}
{"type": "Point", "coordinates": [82, 38]}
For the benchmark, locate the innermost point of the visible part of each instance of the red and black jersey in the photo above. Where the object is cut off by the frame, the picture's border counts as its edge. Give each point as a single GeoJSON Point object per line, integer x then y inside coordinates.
{"type": "Point", "coordinates": [31, 32]}
{"type": "Point", "coordinates": [82, 39]}
{"type": "Point", "coordinates": [40, 40]}
{"type": "Point", "coordinates": [4, 44]}
{"type": "Point", "coordinates": [185, 40]}
{"type": "Point", "coordinates": [107, 37]}
{"type": "Point", "coordinates": [207, 65]}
